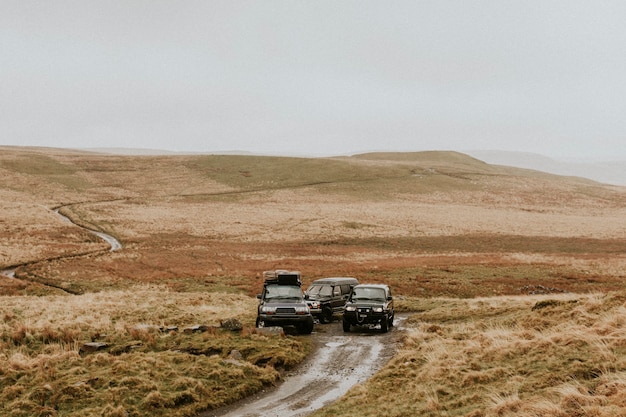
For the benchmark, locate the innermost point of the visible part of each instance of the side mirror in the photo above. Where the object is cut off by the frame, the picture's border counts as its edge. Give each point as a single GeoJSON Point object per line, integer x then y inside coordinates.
{"type": "Point", "coordinates": [389, 298]}
{"type": "Point", "coordinates": [306, 296]}
{"type": "Point", "coordinates": [258, 296]}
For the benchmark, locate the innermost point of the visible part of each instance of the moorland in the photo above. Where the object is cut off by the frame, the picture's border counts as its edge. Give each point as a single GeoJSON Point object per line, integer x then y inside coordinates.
{"type": "Point", "coordinates": [513, 279]}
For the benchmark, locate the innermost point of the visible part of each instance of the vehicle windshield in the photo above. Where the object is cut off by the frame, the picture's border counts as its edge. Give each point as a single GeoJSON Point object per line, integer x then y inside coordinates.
{"type": "Point", "coordinates": [322, 290]}
{"type": "Point", "coordinates": [366, 293]}
{"type": "Point", "coordinates": [282, 292]}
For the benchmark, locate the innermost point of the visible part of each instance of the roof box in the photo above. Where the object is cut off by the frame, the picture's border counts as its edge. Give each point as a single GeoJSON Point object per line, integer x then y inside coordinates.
{"type": "Point", "coordinates": [282, 277]}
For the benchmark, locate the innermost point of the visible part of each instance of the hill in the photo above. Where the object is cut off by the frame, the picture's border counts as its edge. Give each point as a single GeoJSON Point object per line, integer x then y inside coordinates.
{"type": "Point", "coordinates": [196, 229]}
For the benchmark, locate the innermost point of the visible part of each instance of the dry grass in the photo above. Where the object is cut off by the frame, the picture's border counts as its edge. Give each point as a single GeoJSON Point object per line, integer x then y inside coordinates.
{"type": "Point", "coordinates": [200, 228]}
{"type": "Point", "coordinates": [503, 356]}
{"type": "Point", "coordinates": [145, 370]}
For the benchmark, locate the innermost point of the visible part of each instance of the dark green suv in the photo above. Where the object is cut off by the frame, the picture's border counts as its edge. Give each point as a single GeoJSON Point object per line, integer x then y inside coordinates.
{"type": "Point", "coordinates": [369, 305]}
{"type": "Point", "coordinates": [327, 297]}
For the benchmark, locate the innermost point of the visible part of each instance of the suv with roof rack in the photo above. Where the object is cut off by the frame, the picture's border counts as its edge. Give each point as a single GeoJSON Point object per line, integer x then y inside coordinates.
{"type": "Point", "coordinates": [282, 303]}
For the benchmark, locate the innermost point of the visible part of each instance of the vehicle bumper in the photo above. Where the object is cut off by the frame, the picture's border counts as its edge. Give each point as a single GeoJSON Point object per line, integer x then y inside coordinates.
{"type": "Point", "coordinates": [358, 319]}
{"type": "Point", "coordinates": [275, 320]}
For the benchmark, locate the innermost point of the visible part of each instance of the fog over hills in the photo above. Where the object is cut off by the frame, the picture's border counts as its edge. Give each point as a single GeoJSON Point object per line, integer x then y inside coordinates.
{"type": "Point", "coordinates": [609, 172]}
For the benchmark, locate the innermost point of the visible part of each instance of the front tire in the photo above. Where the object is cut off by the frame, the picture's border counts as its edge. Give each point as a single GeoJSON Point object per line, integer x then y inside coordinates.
{"type": "Point", "coordinates": [259, 323]}
{"type": "Point", "coordinates": [327, 315]}
{"type": "Point", "coordinates": [384, 325]}
{"type": "Point", "coordinates": [346, 326]}
{"type": "Point", "coordinates": [306, 328]}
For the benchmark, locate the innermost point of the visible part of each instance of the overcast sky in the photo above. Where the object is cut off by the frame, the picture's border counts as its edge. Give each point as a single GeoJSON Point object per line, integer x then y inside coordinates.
{"type": "Point", "coordinates": [316, 77]}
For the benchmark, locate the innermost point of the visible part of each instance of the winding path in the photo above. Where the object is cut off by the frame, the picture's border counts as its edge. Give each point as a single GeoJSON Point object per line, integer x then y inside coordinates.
{"type": "Point", "coordinates": [113, 243]}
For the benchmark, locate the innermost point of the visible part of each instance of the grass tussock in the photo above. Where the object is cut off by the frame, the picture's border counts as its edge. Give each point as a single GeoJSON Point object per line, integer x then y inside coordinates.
{"type": "Point", "coordinates": [505, 356]}
{"type": "Point", "coordinates": [151, 364]}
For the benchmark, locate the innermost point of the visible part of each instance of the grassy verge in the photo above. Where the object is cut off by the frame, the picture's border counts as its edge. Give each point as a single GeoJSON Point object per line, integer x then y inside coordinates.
{"type": "Point", "coordinates": [503, 356]}
{"type": "Point", "coordinates": [151, 358]}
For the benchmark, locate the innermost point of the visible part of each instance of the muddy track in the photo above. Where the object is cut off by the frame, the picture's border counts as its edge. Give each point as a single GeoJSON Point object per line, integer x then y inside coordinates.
{"type": "Point", "coordinates": [338, 362]}
{"type": "Point", "coordinates": [113, 243]}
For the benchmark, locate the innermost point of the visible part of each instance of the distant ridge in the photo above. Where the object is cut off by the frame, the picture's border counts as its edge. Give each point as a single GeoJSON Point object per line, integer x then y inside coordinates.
{"type": "Point", "coordinates": [608, 172]}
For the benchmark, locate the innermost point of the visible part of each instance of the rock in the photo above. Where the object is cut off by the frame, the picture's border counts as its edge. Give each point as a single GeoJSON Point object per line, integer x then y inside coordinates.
{"type": "Point", "coordinates": [235, 355]}
{"type": "Point", "coordinates": [233, 325]}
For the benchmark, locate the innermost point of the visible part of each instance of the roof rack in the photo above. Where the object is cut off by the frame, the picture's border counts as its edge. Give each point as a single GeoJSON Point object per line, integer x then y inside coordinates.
{"type": "Point", "coordinates": [282, 277]}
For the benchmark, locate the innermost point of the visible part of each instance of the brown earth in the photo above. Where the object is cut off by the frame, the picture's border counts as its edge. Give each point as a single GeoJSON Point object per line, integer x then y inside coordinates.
{"type": "Point", "coordinates": [430, 224]}
{"type": "Point", "coordinates": [435, 224]}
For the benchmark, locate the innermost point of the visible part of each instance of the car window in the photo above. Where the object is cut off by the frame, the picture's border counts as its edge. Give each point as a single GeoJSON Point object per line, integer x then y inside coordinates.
{"type": "Point", "coordinates": [314, 289]}
{"type": "Point", "coordinates": [366, 293]}
{"type": "Point", "coordinates": [282, 292]}
{"type": "Point", "coordinates": [323, 290]}
{"type": "Point", "coordinates": [345, 289]}
{"type": "Point", "coordinates": [336, 291]}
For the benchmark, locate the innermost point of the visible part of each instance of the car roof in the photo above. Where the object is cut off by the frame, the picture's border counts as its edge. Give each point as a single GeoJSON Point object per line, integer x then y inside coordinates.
{"type": "Point", "coordinates": [383, 286]}
{"type": "Point", "coordinates": [334, 280]}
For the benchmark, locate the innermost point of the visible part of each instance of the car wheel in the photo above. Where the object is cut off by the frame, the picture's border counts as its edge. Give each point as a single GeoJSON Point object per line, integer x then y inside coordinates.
{"type": "Point", "coordinates": [346, 326]}
{"type": "Point", "coordinates": [327, 315]}
{"type": "Point", "coordinates": [391, 320]}
{"type": "Point", "coordinates": [384, 325]}
{"type": "Point", "coordinates": [260, 323]}
{"type": "Point", "coordinates": [306, 328]}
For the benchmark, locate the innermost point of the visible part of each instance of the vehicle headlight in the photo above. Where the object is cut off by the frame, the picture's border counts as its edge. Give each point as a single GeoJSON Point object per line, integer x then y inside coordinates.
{"type": "Point", "coordinates": [350, 308]}
{"type": "Point", "coordinates": [268, 310]}
{"type": "Point", "coordinates": [378, 309]}
{"type": "Point", "coordinates": [302, 310]}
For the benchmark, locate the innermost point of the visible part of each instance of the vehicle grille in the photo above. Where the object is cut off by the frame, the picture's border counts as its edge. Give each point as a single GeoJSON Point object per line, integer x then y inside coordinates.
{"type": "Point", "coordinates": [285, 310]}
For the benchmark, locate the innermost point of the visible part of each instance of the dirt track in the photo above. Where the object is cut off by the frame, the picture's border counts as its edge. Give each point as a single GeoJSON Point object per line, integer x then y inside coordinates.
{"type": "Point", "coordinates": [339, 361]}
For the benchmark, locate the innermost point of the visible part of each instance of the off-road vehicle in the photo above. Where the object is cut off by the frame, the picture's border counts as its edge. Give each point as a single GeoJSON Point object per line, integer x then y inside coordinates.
{"type": "Point", "coordinates": [282, 302]}
{"type": "Point", "coordinates": [369, 305]}
{"type": "Point", "coordinates": [327, 297]}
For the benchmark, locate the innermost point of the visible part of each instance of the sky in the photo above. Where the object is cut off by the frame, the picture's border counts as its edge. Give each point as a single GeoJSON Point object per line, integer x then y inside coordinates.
{"type": "Point", "coordinates": [316, 77]}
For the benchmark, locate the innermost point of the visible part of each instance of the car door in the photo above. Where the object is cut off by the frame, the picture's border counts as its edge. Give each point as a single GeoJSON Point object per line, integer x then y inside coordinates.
{"type": "Point", "coordinates": [337, 302]}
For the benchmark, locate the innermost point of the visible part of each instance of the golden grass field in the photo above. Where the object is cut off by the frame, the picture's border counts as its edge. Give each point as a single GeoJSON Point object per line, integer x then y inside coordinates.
{"type": "Point", "coordinates": [516, 279]}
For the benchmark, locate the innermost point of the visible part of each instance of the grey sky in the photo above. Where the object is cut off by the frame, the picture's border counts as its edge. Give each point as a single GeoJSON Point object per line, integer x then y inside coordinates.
{"type": "Point", "coordinates": [316, 77]}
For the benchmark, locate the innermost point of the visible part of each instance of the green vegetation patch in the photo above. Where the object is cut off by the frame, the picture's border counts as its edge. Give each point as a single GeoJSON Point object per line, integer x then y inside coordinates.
{"type": "Point", "coordinates": [340, 176]}
{"type": "Point", "coordinates": [37, 164]}
{"type": "Point", "coordinates": [45, 166]}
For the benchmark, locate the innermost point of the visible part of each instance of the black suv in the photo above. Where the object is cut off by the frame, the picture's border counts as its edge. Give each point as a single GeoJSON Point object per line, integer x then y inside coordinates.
{"type": "Point", "coordinates": [327, 297]}
{"type": "Point", "coordinates": [369, 305]}
{"type": "Point", "coordinates": [282, 303]}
